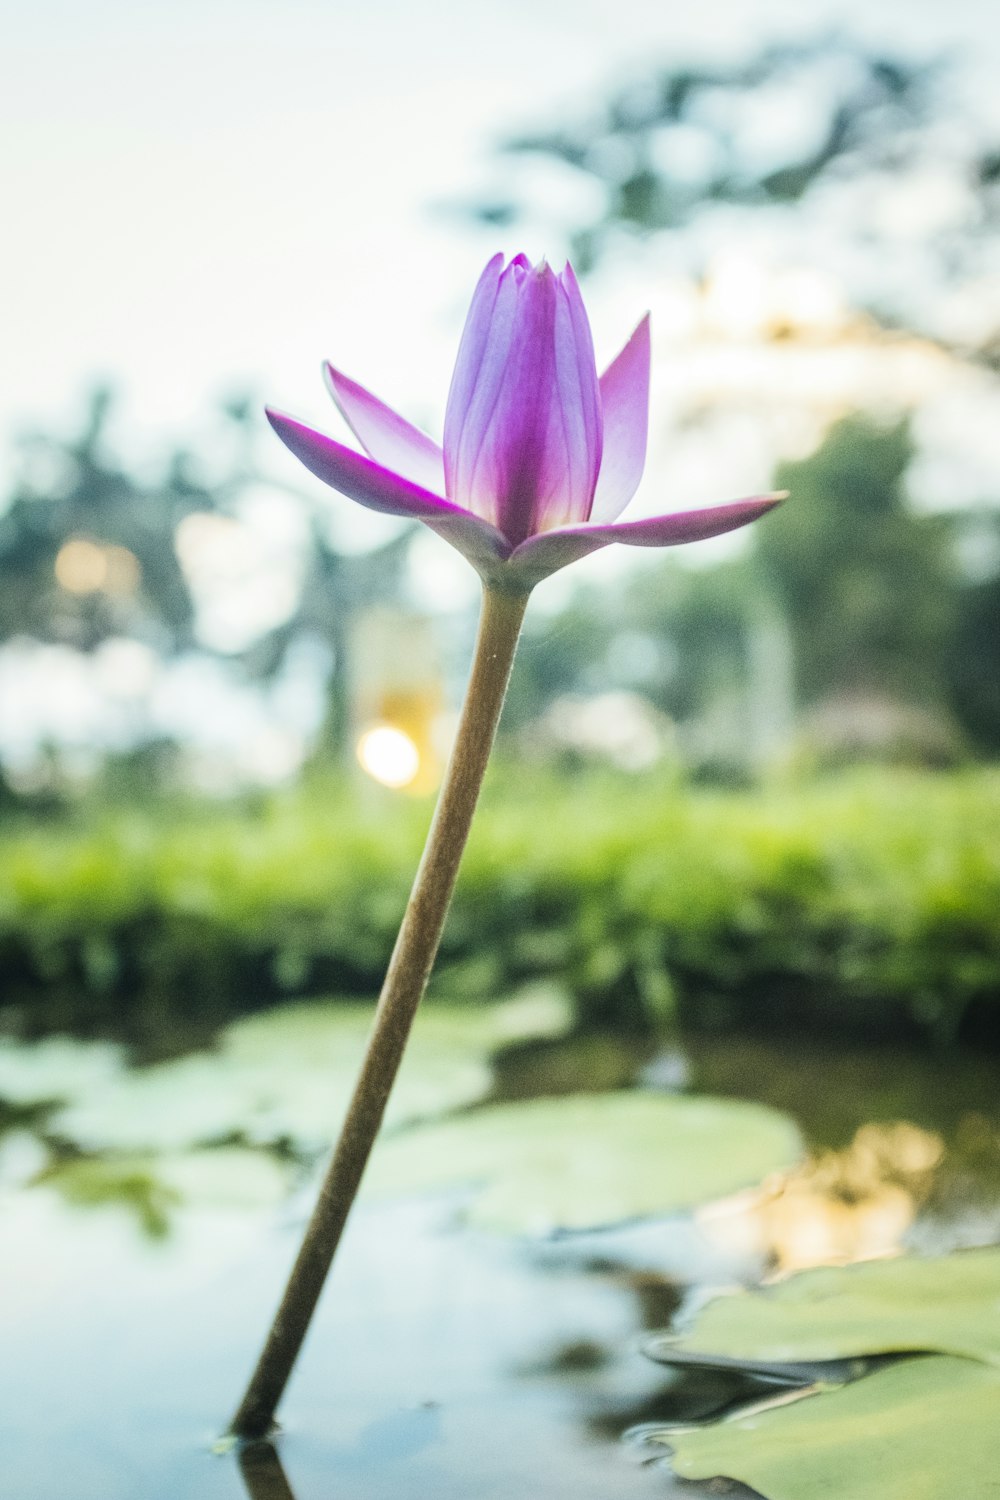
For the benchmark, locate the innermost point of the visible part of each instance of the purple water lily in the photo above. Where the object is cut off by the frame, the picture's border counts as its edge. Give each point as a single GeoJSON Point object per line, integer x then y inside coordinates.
{"type": "Point", "coordinates": [540, 457]}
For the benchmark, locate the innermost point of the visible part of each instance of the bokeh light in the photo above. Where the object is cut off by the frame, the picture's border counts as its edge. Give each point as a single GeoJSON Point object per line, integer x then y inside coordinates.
{"type": "Point", "coordinates": [389, 756]}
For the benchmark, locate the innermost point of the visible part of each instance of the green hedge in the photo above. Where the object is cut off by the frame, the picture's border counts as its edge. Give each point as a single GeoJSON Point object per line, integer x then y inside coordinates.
{"type": "Point", "coordinates": [869, 901]}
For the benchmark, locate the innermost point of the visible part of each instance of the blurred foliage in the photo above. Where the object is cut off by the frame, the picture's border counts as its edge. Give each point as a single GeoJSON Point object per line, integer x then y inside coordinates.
{"type": "Point", "coordinates": [882, 627]}
{"type": "Point", "coordinates": [864, 902]}
{"type": "Point", "coordinates": [336, 588]}
{"type": "Point", "coordinates": [791, 124]}
{"type": "Point", "coordinates": [865, 604]}
{"type": "Point", "coordinates": [126, 578]}
{"type": "Point", "coordinates": [870, 590]}
{"type": "Point", "coordinates": [850, 628]}
{"type": "Point", "coordinates": [669, 144]}
{"type": "Point", "coordinates": [74, 490]}
{"type": "Point", "coordinates": [973, 650]}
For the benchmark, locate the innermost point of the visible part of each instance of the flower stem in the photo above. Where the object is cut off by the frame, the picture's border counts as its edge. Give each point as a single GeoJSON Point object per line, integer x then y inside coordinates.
{"type": "Point", "coordinates": [405, 982]}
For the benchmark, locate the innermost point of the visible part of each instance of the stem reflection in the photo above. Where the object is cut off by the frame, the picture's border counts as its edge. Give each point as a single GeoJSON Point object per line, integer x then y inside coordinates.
{"type": "Point", "coordinates": [262, 1473]}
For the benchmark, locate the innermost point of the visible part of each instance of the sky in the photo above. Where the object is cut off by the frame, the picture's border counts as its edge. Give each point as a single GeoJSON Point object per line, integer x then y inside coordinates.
{"type": "Point", "coordinates": [212, 196]}
{"type": "Point", "coordinates": [204, 195]}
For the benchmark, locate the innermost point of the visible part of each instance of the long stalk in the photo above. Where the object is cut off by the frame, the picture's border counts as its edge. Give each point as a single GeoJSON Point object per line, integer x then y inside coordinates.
{"type": "Point", "coordinates": [405, 982]}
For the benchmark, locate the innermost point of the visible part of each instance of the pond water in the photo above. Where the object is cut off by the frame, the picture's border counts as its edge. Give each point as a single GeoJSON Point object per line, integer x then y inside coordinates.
{"type": "Point", "coordinates": [447, 1359]}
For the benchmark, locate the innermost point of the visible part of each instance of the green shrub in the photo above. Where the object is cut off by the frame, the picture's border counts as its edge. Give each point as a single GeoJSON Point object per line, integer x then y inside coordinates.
{"type": "Point", "coordinates": [871, 900]}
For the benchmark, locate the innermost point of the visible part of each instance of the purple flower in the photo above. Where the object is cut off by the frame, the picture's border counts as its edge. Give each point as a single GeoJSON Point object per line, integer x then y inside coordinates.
{"type": "Point", "coordinates": [540, 457]}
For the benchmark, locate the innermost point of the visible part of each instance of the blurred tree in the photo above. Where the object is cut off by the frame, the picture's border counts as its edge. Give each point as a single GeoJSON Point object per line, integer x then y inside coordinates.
{"type": "Point", "coordinates": [677, 140]}
{"type": "Point", "coordinates": [679, 637]}
{"type": "Point", "coordinates": [869, 589]}
{"type": "Point", "coordinates": [973, 650]}
{"type": "Point", "coordinates": [846, 592]}
{"type": "Point", "coordinates": [804, 124]}
{"type": "Point", "coordinates": [88, 552]}
{"type": "Point", "coordinates": [86, 549]}
{"type": "Point", "coordinates": [335, 588]}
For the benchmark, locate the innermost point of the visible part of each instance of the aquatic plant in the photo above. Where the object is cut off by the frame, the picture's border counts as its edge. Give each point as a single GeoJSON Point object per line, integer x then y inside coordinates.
{"type": "Point", "coordinates": [540, 457]}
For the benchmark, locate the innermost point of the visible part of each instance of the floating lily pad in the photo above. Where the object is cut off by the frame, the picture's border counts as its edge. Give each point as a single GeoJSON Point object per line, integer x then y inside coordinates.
{"type": "Point", "coordinates": [948, 1304]}
{"type": "Point", "coordinates": [286, 1075]}
{"type": "Point", "coordinates": [584, 1160]}
{"type": "Point", "coordinates": [126, 1184]}
{"type": "Point", "coordinates": [55, 1068]}
{"type": "Point", "coordinates": [922, 1427]}
{"type": "Point", "coordinates": [152, 1187]}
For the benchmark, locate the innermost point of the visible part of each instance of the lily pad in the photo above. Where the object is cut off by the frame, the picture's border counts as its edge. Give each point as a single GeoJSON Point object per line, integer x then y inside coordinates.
{"type": "Point", "coordinates": [948, 1304]}
{"type": "Point", "coordinates": [152, 1187]}
{"type": "Point", "coordinates": [55, 1068]}
{"type": "Point", "coordinates": [586, 1160]}
{"type": "Point", "coordinates": [922, 1427]}
{"type": "Point", "coordinates": [131, 1185]}
{"type": "Point", "coordinates": [286, 1076]}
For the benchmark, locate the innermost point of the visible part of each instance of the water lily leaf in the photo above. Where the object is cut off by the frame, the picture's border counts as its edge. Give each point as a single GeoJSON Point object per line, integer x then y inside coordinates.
{"type": "Point", "coordinates": [127, 1184]}
{"type": "Point", "coordinates": [286, 1075]}
{"type": "Point", "coordinates": [923, 1427]}
{"type": "Point", "coordinates": [947, 1304]}
{"type": "Point", "coordinates": [152, 1187]}
{"type": "Point", "coordinates": [584, 1160]}
{"type": "Point", "coordinates": [55, 1068]}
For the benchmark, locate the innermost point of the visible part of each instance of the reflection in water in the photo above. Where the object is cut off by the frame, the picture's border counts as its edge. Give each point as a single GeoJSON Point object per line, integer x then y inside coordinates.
{"type": "Point", "coordinates": [392, 1439]}
{"type": "Point", "coordinates": [839, 1206]}
{"type": "Point", "coordinates": [260, 1468]}
{"type": "Point", "coordinates": [448, 1363]}
{"type": "Point", "coordinates": [689, 1395]}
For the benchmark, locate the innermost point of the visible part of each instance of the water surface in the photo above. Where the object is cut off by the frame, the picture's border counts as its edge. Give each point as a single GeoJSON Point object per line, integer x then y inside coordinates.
{"type": "Point", "coordinates": [444, 1361]}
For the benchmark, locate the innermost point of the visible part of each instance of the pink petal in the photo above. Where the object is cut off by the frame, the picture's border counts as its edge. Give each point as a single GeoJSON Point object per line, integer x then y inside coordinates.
{"type": "Point", "coordinates": [388, 437]}
{"type": "Point", "coordinates": [522, 437]}
{"type": "Point", "coordinates": [541, 555]}
{"type": "Point", "coordinates": [477, 386]}
{"type": "Point", "coordinates": [371, 485]}
{"type": "Point", "coordinates": [625, 398]}
{"type": "Point", "coordinates": [472, 351]}
{"type": "Point", "coordinates": [578, 398]}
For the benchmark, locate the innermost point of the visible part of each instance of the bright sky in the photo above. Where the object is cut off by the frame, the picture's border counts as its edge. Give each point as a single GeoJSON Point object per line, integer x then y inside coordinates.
{"type": "Point", "coordinates": [201, 195]}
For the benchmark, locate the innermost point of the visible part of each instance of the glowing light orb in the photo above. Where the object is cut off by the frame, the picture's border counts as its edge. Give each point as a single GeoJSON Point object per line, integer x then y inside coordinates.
{"type": "Point", "coordinates": [388, 755]}
{"type": "Point", "coordinates": [81, 566]}
{"type": "Point", "coordinates": [86, 567]}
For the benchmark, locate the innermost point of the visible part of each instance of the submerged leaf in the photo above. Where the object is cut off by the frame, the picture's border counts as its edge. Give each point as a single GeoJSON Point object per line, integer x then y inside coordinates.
{"type": "Point", "coordinates": [585, 1160]}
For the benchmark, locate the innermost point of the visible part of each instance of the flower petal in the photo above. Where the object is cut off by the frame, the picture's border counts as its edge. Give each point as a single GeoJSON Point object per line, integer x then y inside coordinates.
{"type": "Point", "coordinates": [522, 433]}
{"type": "Point", "coordinates": [541, 555]}
{"type": "Point", "coordinates": [477, 387]}
{"type": "Point", "coordinates": [475, 343]}
{"type": "Point", "coordinates": [390, 439]}
{"type": "Point", "coordinates": [578, 398]}
{"type": "Point", "coordinates": [371, 485]}
{"type": "Point", "coordinates": [625, 398]}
